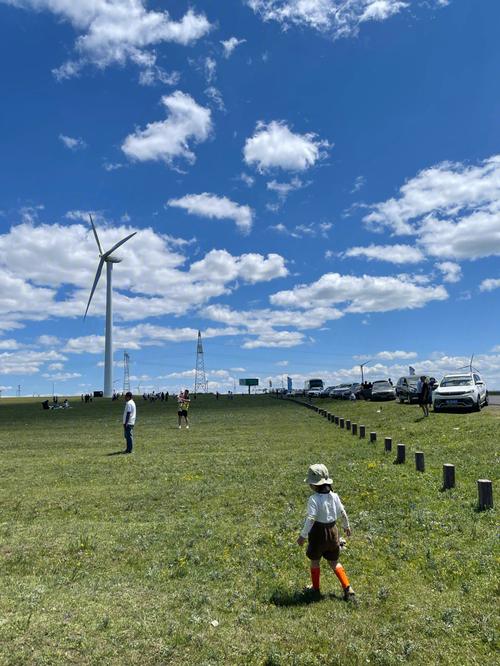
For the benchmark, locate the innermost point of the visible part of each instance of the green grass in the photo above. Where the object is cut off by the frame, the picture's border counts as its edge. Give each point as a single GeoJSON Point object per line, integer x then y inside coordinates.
{"type": "Point", "coordinates": [128, 559]}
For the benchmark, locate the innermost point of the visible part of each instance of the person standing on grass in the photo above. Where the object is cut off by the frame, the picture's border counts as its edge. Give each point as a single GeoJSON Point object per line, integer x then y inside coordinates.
{"type": "Point", "coordinates": [423, 397]}
{"type": "Point", "coordinates": [324, 509]}
{"type": "Point", "coordinates": [129, 414]}
{"type": "Point", "coordinates": [183, 406]}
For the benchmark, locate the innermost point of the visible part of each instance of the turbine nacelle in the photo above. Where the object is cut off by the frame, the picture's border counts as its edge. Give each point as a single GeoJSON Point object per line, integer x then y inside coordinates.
{"type": "Point", "coordinates": [113, 260]}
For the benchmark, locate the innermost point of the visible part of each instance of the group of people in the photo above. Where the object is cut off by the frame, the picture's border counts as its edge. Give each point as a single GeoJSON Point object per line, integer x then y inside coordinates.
{"type": "Point", "coordinates": [130, 415]}
{"type": "Point", "coordinates": [324, 508]}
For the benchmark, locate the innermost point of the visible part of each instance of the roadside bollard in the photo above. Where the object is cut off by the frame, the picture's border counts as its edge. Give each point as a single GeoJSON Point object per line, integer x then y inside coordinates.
{"type": "Point", "coordinates": [362, 431]}
{"type": "Point", "coordinates": [341, 423]}
{"type": "Point", "coordinates": [354, 428]}
{"type": "Point", "coordinates": [373, 437]}
{"type": "Point", "coordinates": [347, 425]}
{"type": "Point", "coordinates": [485, 494]}
{"type": "Point", "coordinates": [419, 461]}
{"type": "Point", "coordinates": [336, 420]}
{"type": "Point", "coordinates": [400, 455]}
{"type": "Point", "coordinates": [388, 443]}
{"type": "Point", "coordinates": [448, 476]}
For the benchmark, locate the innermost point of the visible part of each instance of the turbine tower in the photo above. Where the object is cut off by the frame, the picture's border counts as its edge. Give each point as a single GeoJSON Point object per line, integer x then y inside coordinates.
{"type": "Point", "coordinates": [109, 260]}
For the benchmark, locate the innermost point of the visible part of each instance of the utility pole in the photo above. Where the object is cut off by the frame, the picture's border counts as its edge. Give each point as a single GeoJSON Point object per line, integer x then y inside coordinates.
{"type": "Point", "coordinates": [200, 378]}
{"type": "Point", "coordinates": [19, 390]}
{"type": "Point", "coordinates": [126, 372]}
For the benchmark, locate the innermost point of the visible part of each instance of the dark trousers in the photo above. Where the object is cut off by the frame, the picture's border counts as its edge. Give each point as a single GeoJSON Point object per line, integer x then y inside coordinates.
{"type": "Point", "coordinates": [128, 432]}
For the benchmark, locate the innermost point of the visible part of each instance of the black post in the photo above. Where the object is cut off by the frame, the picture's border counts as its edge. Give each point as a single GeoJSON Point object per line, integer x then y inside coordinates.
{"type": "Point", "coordinates": [419, 461]}
{"type": "Point", "coordinates": [401, 454]}
{"type": "Point", "coordinates": [448, 476]}
{"type": "Point", "coordinates": [388, 443]}
{"type": "Point", "coordinates": [347, 425]}
{"type": "Point", "coordinates": [354, 428]}
{"type": "Point", "coordinates": [373, 437]}
{"type": "Point", "coordinates": [341, 423]}
{"type": "Point", "coordinates": [362, 431]}
{"type": "Point", "coordinates": [485, 494]}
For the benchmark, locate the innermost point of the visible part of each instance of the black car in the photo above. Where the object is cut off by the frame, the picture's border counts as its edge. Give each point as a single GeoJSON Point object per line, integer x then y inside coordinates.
{"type": "Point", "coordinates": [383, 390]}
{"type": "Point", "coordinates": [406, 389]}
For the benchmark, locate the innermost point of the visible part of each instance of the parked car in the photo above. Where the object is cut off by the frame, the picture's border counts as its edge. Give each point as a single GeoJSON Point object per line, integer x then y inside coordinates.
{"type": "Point", "coordinates": [465, 390]}
{"type": "Point", "coordinates": [314, 393]}
{"type": "Point", "coordinates": [339, 390]}
{"type": "Point", "coordinates": [383, 390]}
{"type": "Point", "coordinates": [406, 389]}
{"type": "Point", "coordinates": [346, 390]}
{"type": "Point", "coordinates": [325, 393]}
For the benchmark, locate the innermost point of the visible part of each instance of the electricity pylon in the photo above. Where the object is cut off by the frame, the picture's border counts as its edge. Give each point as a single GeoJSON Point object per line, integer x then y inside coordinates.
{"type": "Point", "coordinates": [126, 372]}
{"type": "Point", "coordinates": [200, 378]}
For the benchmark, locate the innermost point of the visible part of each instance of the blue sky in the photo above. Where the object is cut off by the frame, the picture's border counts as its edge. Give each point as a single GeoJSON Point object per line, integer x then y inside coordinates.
{"type": "Point", "coordinates": [312, 184]}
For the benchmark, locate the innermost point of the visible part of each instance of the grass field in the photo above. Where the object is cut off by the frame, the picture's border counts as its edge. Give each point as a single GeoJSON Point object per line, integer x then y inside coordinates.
{"type": "Point", "coordinates": [112, 559]}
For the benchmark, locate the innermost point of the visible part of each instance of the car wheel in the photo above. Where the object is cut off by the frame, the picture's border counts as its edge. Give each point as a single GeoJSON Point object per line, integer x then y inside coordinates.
{"type": "Point", "coordinates": [401, 401]}
{"type": "Point", "coordinates": [486, 401]}
{"type": "Point", "coordinates": [477, 406]}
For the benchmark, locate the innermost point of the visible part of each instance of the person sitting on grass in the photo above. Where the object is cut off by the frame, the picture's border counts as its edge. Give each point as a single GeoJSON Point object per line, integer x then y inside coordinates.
{"type": "Point", "coordinates": [324, 508]}
{"type": "Point", "coordinates": [183, 406]}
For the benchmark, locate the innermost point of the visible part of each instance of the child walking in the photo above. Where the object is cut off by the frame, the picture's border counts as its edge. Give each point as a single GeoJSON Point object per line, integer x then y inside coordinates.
{"type": "Point", "coordinates": [183, 402]}
{"type": "Point", "coordinates": [324, 508]}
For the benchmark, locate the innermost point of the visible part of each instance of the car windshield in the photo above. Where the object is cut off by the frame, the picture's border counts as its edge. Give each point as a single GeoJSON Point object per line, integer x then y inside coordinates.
{"type": "Point", "coordinates": [456, 381]}
{"type": "Point", "coordinates": [381, 386]}
{"type": "Point", "coordinates": [412, 382]}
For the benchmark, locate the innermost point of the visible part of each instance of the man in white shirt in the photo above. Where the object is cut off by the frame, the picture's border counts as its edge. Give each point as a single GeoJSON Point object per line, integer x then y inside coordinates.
{"type": "Point", "coordinates": [129, 414]}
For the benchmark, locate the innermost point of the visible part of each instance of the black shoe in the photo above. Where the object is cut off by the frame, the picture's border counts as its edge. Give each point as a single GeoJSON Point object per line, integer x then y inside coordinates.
{"type": "Point", "coordinates": [349, 594]}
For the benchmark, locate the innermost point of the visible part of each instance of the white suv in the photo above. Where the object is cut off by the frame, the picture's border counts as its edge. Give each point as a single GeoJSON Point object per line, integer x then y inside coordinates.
{"type": "Point", "coordinates": [465, 389]}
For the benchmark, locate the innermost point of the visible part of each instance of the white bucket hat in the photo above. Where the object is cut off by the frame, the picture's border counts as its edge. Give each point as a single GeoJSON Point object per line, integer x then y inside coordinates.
{"type": "Point", "coordinates": [317, 475]}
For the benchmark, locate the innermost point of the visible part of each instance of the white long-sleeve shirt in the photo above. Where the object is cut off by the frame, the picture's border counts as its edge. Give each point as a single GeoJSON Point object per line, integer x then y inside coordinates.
{"type": "Point", "coordinates": [324, 508]}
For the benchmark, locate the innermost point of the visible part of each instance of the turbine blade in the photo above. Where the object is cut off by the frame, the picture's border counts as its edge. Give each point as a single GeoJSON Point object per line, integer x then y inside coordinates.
{"type": "Point", "coordinates": [115, 247]}
{"type": "Point", "coordinates": [95, 234]}
{"type": "Point", "coordinates": [97, 276]}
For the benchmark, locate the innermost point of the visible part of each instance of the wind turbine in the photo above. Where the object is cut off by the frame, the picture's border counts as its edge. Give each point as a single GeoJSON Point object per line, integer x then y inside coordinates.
{"type": "Point", "coordinates": [109, 260]}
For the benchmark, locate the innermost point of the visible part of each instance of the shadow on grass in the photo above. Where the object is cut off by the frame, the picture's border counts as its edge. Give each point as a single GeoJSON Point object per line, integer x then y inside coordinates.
{"type": "Point", "coordinates": [115, 453]}
{"type": "Point", "coordinates": [299, 598]}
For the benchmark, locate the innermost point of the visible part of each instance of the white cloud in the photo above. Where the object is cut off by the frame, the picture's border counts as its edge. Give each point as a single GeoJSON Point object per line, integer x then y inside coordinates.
{"type": "Point", "coordinates": [275, 339]}
{"type": "Point", "coordinates": [396, 254]}
{"type": "Point", "coordinates": [360, 294]}
{"type": "Point", "coordinates": [169, 139]}
{"type": "Point", "coordinates": [430, 204]}
{"type": "Point", "coordinates": [26, 362]}
{"type": "Point", "coordinates": [215, 95]}
{"type": "Point", "coordinates": [215, 207]}
{"type": "Point", "coordinates": [394, 355]}
{"type": "Point", "coordinates": [275, 146]}
{"type": "Point", "coordinates": [284, 189]}
{"type": "Point", "coordinates": [61, 376]}
{"type": "Point", "coordinates": [72, 143]}
{"type": "Point", "coordinates": [117, 31]}
{"type": "Point", "coordinates": [338, 18]}
{"type": "Point", "coordinates": [59, 286]}
{"type": "Point", "coordinates": [230, 44]}
{"type": "Point", "coordinates": [210, 67]}
{"type": "Point", "coordinates": [311, 230]}
{"type": "Point", "coordinates": [358, 184]}
{"type": "Point", "coordinates": [489, 285]}
{"type": "Point", "coordinates": [48, 341]}
{"type": "Point", "coordinates": [9, 344]}
{"type": "Point", "coordinates": [451, 271]}
{"type": "Point", "coordinates": [247, 179]}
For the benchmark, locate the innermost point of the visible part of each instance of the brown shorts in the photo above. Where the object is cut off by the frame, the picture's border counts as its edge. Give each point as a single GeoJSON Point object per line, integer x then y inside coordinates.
{"type": "Point", "coordinates": [323, 542]}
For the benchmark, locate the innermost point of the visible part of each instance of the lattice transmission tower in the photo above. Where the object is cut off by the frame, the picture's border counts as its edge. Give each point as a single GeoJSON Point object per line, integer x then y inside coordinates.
{"type": "Point", "coordinates": [126, 372]}
{"type": "Point", "coordinates": [200, 378]}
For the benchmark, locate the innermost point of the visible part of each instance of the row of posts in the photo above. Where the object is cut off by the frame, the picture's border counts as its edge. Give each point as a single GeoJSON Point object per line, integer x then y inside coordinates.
{"type": "Point", "coordinates": [484, 486]}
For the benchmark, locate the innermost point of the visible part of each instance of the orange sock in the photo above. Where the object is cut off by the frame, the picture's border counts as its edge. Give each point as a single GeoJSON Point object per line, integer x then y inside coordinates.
{"type": "Point", "coordinates": [342, 576]}
{"type": "Point", "coordinates": [315, 573]}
